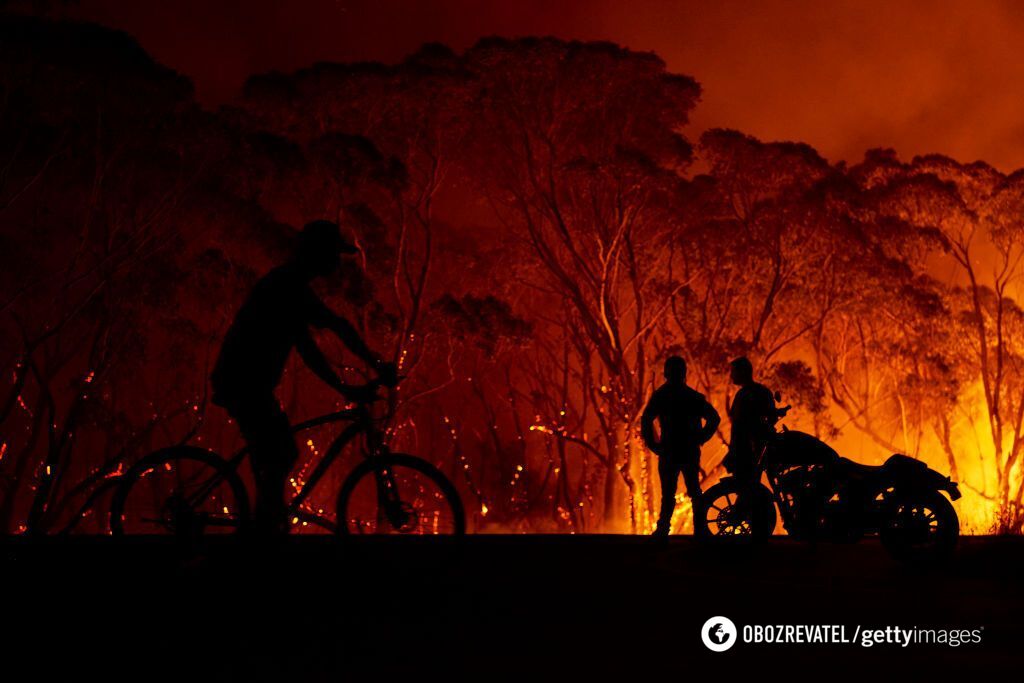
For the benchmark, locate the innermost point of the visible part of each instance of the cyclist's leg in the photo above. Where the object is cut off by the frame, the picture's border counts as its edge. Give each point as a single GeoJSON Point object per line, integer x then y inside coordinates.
{"type": "Point", "coordinates": [272, 454]}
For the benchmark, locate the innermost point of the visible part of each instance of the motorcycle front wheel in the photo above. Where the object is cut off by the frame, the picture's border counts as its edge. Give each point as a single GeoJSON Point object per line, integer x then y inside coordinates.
{"type": "Point", "coordinates": [732, 512]}
{"type": "Point", "coordinates": [919, 528]}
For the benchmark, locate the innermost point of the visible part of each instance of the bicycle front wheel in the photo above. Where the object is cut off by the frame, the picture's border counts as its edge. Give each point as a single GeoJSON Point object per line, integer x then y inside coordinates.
{"type": "Point", "coordinates": [179, 491]}
{"type": "Point", "coordinates": [397, 493]}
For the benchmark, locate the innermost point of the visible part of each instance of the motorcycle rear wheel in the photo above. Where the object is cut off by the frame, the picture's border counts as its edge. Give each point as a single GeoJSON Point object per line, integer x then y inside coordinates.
{"type": "Point", "coordinates": [920, 528]}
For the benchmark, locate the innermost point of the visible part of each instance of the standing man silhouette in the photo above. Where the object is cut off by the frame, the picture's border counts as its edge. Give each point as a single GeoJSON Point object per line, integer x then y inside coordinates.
{"type": "Point", "coordinates": [751, 413]}
{"type": "Point", "coordinates": [275, 318]}
{"type": "Point", "coordinates": [686, 421]}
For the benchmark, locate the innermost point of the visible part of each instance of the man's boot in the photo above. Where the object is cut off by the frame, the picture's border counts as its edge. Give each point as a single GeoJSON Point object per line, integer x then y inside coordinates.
{"type": "Point", "coordinates": [660, 534]}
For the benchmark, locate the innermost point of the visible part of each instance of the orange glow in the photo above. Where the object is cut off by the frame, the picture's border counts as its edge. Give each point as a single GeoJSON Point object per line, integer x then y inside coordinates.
{"type": "Point", "coordinates": [843, 76]}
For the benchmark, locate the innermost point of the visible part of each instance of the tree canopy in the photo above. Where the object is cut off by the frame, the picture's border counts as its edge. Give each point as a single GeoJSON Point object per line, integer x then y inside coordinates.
{"type": "Point", "coordinates": [537, 234]}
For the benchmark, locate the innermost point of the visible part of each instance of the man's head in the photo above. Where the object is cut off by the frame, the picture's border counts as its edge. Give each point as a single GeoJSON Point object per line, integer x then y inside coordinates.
{"type": "Point", "coordinates": [675, 370]}
{"type": "Point", "coordinates": [320, 247]}
{"type": "Point", "coordinates": [741, 371]}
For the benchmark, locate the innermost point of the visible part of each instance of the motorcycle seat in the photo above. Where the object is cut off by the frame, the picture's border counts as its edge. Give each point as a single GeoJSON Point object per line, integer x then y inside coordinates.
{"type": "Point", "coordinates": [857, 470]}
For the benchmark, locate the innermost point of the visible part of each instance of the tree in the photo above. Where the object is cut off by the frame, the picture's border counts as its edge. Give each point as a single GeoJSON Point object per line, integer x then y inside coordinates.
{"type": "Point", "coordinates": [577, 149]}
{"type": "Point", "coordinates": [977, 212]}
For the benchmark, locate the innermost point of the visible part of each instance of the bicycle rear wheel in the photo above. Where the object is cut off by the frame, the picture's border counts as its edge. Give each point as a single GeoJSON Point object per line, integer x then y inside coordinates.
{"type": "Point", "coordinates": [180, 491]}
{"type": "Point", "coordinates": [397, 493]}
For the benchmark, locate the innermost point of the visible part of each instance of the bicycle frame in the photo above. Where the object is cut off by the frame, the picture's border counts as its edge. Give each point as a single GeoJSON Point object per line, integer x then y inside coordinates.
{"type": "Point", "coordinates": [361, 421]}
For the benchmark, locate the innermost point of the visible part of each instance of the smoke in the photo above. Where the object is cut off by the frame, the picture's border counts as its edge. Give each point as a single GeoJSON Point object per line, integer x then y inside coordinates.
{"type": "Point", "coordinates": [846, 76]}
{"type": "Point", "coordinates": [843, 76]}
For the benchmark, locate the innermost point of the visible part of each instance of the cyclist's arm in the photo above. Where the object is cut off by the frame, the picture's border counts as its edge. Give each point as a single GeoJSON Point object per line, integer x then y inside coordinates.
{"type": "Point", "coordinates": [314, 358]}
{"type": "Point", "coordinates": [349, 336]}
{"type": "Point", "coordinates": [319, 315]}
{"type": "Point", "coordinates": [387, 372]}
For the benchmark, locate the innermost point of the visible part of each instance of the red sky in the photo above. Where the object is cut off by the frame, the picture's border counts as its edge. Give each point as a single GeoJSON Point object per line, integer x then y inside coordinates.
{"type": "Point", "coordinates": [924, 76]}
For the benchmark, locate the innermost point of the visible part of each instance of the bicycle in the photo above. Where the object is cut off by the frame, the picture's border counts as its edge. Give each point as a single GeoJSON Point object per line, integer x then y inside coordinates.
{"type": "Point", "coordinates": [186, 490]}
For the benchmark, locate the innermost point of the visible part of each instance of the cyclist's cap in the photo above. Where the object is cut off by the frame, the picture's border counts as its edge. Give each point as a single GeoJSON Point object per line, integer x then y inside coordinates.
{"type": "Point", "coordinates": [325, 235]}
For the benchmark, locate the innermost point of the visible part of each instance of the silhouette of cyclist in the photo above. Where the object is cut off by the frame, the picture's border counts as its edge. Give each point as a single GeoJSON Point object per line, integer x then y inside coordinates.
{"type": "Point", "coordinates": [686, 421]}
{"type": "Point", "coordinates": [752, 414]}
{"type": "Point", "coordinates": [275, 318]}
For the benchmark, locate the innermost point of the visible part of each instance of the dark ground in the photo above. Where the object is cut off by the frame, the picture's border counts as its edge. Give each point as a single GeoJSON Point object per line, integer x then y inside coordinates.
{"type": "Point", "coordinates": [490, 608]}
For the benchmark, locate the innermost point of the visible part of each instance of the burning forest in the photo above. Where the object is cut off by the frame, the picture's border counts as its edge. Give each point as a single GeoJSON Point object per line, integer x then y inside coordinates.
{"type": "Point", "coordinates": [537, 230]}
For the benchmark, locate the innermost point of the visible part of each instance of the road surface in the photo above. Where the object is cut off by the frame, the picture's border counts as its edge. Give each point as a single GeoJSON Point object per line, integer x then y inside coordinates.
{"type": "Point", "coordinates": [493, 608]}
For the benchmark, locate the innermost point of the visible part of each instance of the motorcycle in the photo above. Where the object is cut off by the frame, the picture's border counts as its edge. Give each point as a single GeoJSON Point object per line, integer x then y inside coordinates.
{"type": "Point", "coordinates": [821, 495]}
